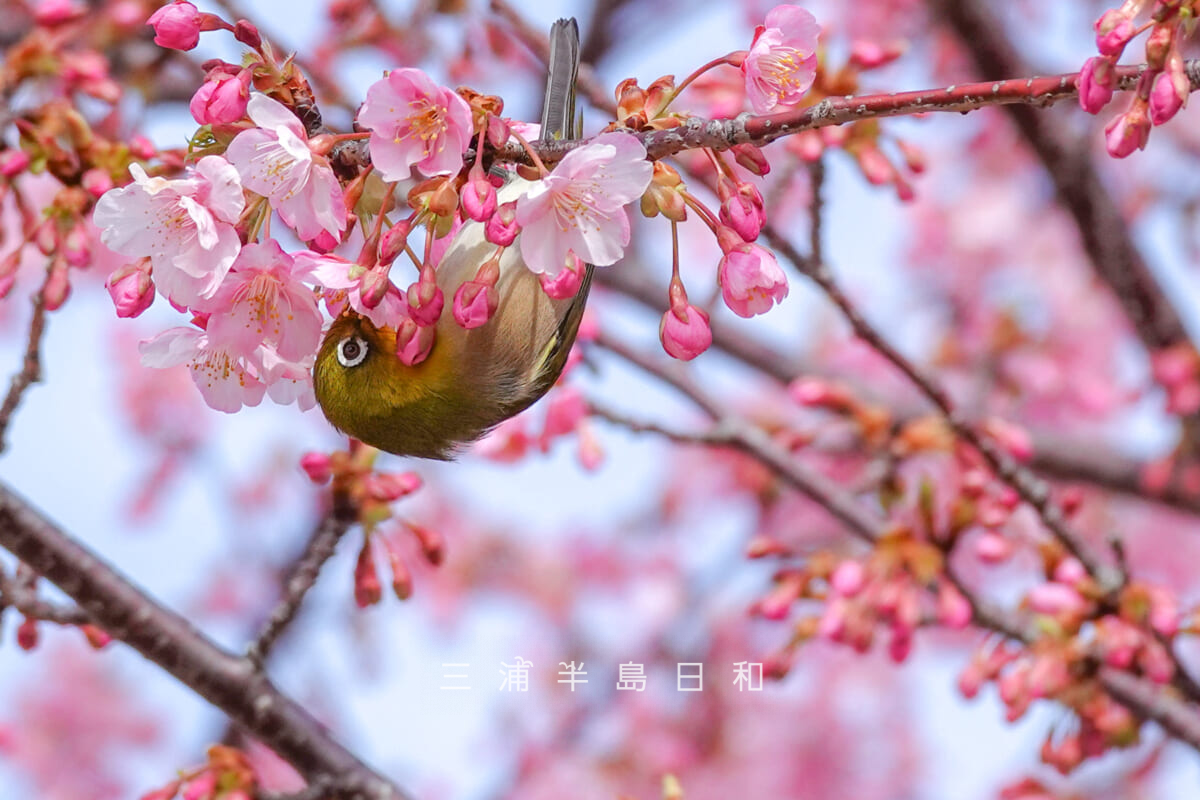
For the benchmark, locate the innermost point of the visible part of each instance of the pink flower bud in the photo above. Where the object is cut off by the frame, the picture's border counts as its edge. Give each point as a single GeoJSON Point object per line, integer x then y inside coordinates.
{"type": "Point", "coordinates": [57, 288]}
{"type": "Point", "coordinates": [425, 300]}
{"type": "Point", "coordinates": [1164, 612]}
{"type": "Point", "coordinates": [501, 228]}
{"type": "Point", "coordinates": [1128, 132]}
{"type": "Point", "coordinates": [402, 582]}
{"type": "Point", "coordinates": [872, 55]}
{"type": "Point", "coordinates": [433, 545]}
{"type": "Point", "coordinates": [1070, 571]}
{"type": "Point", "coordinates": [96, 181]}
{"type": "Point", "coordinates": [391, 245]}
{"type": "Point", "coordinates": [478, 196]}
{"type": "Point", "coordinates": [685, 334]}
{"type": "Point", "coordinates": [246, 33]}
{"type": "Point", "coordinates": [743, 211]}
{"type": "Point", "coordinates": [848, 578]}
{"type": "Point", "coordinates": [413, 342]}
{"type": "Point", "coordinates": [1165, 99]}
{"type": "Point", "coordinates": [566, 410]}
{"type": "Point", "coordinates": [993, 548]}
{"type": "Point", "coordinates": [971, 679]}
{"type": "Point", "coordinates": [367, 589]}
{"type": "Point", "coordinates": [387, 487]}
{"type": "Point", "coordinates": [51, 13]}
{"type": "Point", "coordinates": [567, 282]}
{"type": "Point", "coordinates": [318, 467]}
{"type": "Point", "coordinates": [1011, 437]}
{"type": "Point", "coordinates": [1113, 32]}
{"type": "Point", "coordinates": [96, 638]}
{"type": "Point", "coordinates": [475, 303]}
{"type": "Point", "coordinates": [751, 158]}
{"type": "Point", "coordinates": [1054, 599]}
{"type": "Point", "coordinates": [1097, 80]}
{"type": "Point", "coordinates": [176, 26]}
{"type": "Point", "coordinates": [222, 99]}
{"type": "Point", "coordinates": [375, 286]}
{"type": "Point", "coordinates": [953, 610]}
{"type": "Point", "coordinates": [874, 165]}
{"type": "Point", "coordinates": [201, 787]}
{"type": "Point", "coordinates": [131, 289]}
{"type": "Point", "coordinates": [141, 147]}
{"type": "Point", "coordinates": [900, 645]}
{"type": "Point", "coordinates": [1156, 663]}
{"type": "Point", "coordinates": [13, 162]}
{"type": "Point", "coordinates": [27, 634]}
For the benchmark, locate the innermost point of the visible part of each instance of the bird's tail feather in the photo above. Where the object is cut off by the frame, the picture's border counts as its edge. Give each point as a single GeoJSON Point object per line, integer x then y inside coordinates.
{"type": "Point", "coordinates": [558, 107]}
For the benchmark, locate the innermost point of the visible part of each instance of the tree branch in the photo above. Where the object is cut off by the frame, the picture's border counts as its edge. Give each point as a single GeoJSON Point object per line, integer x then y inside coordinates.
{"type": "Point", "coordinates": [31, 367]}
{"type": "Point", "coordinates": [1102, 228]}
{"type": "Point", "coordinates": [229, 683]}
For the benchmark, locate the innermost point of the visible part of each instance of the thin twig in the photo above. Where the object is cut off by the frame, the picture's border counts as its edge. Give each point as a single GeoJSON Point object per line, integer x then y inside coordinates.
{"type": "Point", "coordinates": [302, 577]}
{"type": "Point", "coordinates": [1144, 698]}
{"type": "Point", "coordinates": [31, 367]}
{"type": "Point", "coordinates": [1032, 489]}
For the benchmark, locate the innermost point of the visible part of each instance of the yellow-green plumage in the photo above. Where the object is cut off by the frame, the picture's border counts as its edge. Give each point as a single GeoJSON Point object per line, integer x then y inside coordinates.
{"type": "Point", "coordinates": [472, 379]}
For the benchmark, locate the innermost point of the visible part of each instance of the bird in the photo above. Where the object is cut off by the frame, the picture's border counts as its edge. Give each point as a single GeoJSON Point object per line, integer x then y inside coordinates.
{"type": "Point", "coordinates": [472, 380]}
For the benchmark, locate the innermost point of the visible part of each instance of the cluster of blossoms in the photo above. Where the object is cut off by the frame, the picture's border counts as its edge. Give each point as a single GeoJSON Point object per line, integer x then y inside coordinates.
{"type": "Point", "coordinates": [1162, 89]}
{"type": "Point", "coordinates": [202, 241]}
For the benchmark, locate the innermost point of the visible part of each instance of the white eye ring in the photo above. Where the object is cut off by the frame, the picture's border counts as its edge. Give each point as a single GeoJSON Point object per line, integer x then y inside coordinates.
{"type": "Point", "coordinates": [352, 350]}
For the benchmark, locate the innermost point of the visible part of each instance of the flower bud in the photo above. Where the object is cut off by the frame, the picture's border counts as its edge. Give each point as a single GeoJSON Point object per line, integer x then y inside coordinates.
{"type": "Point", "coordinates": [176, 26]}
{"type": "Point", "coordinates": [501, 228]}
{"type": "Point", "coordinates": [1128, 131]}
{"type": "Point", "coordinates": [475, 303]}
{"type": "Point", "coordinates": [318, 467]}
{"type": "Point", "coordinates": [367, 590]}
{"type": "Point", "coordinates": [413, 342]}
{"type": "Point", "coordinates": [567, 282]}
{"type": "Point", "coordinates": [131, 288]}
{"type": "Point", "coordinates": [1097, 80]}
{"type": "Point", "coordinates": [750, 158]}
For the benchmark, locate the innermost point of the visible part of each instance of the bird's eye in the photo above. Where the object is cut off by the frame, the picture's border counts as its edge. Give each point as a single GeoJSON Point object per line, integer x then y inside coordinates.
{"type": "Point", "coordinates": [351, 351]}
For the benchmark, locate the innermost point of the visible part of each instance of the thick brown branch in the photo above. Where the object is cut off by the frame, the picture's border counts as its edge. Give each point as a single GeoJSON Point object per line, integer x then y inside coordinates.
{"type": "Point", "coordinates": [229, 683]}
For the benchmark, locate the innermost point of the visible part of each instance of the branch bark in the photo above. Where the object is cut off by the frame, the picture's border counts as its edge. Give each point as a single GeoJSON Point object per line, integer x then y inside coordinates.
{"type": "Point", "coordinates": [230, 683]}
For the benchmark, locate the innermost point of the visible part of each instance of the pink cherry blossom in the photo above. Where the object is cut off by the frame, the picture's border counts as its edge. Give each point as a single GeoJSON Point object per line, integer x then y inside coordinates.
{"type": "Point", "coordinates": [751, 280]}
{"type": "Point", "coordinates": [580, 206]}
{"type": "Point", "coordinates": [782, 61]}
{"type": "Point", "coordinates": [276, 161]}
{"type": "Point", "coordinates": [176, 26]}
{"type": "Point", "coordinates": [415, 122]}
{"type": "Point", "coordinates": [288, 381]}
{"type": "Point", "coordinates": [185, 226]}
{"type": "Point", "coordinates": [685, 334]}
{"type": "Point", "coordinates": [226, 381]}
{"type": "Point", "coordinates": [222, 99]}
{"type": "Point", "coordinates": [264, 300]}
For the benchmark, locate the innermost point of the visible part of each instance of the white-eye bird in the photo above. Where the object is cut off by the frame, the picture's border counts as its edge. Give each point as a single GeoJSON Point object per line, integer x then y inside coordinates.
{"type": "Point", "coordinates": [474, 379]}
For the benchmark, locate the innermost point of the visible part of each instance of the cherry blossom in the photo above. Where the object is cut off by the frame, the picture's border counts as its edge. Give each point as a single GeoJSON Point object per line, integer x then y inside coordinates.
{"type": "Point", "coordinates": [415, 123]}
{"type": "Point", "coordinates": [276, 160]}
{"type": "Point", "coordinates": [751, 280]}
{"type": "Point", "coordinates": [782, 61]}
{"type": "Point", "coordinates": [225, 380]}
{"type": "Point", "coordinates": [185, 226]}
{"type": "Point", "coordinates": [264, 300]}
{"type": "Point", "coordinates": [580, 206]}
